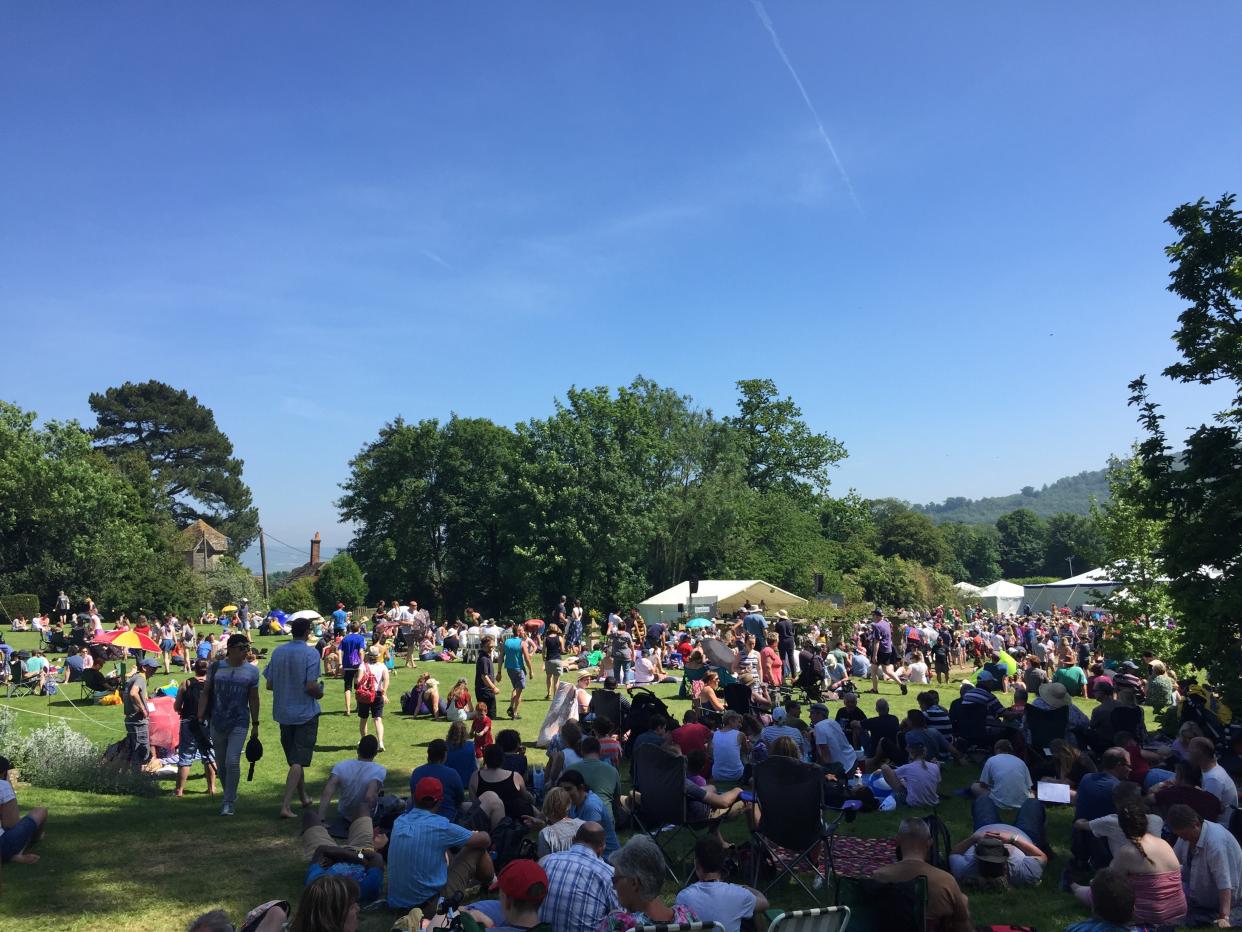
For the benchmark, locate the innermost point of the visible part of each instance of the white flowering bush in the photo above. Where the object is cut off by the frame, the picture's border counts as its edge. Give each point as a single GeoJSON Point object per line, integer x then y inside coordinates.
{"type": "Point", "coordinates": [58, 757]}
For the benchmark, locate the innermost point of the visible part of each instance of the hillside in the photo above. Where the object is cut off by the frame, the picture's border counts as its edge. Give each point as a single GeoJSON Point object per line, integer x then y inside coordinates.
{"type": "Point", "coordinates": [1071, 494]}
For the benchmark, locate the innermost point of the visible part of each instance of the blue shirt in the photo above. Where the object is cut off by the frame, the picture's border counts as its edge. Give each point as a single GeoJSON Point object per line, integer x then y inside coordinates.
{"type": "Point", "coordinates": [417, 868]}
{"type": "Point", "coordinates": [449, 779]}
{"type": "Point", "coordinates": [1095, 796]}
{"type": "Point", "coordinates": [594, 810]}
{"type": "Point", "coordinates": [288, 670]}
{"type": "Point", "coordinates": [580, 891]}
{"type": "Point", "coordinates": [204, 650]}
{"type": "Point", "coordinates": [352, 647]}
{"type": "Point", "coordinates": [755, 624]}
{"type": "Point", "coordinates": [513, 654]}
{"type": "Point", "coordinates": [339, 619]}
{"type": "Point", "coordinates": [463, 761]}
{"type": "Point", "coordinates": [370, 880]}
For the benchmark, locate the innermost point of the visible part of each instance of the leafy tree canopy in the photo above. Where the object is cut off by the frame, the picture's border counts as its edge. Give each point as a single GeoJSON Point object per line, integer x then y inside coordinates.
{"type": "Point", "coordinates": [1022, 542]}
{"type": "Point", "coordinates": [189, 456]}
{"type": "Point", "coordinates": [340, 580]}
{"type": "Point", "coordinates": [1197, 493]}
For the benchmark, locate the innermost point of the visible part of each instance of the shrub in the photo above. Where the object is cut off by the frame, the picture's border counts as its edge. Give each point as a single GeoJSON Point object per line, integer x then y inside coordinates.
{"type": "Point", "coordinates": [18, 603]}
{"type": "Point", "coordinates": [340, 580]}
{"type": "Point", "coordinates": [57, 757]}
{"type": "Point", "coordinates": [296, 597]}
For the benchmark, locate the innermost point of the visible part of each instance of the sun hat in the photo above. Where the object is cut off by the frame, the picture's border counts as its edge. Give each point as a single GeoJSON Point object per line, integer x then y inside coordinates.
{"type": "Point", "coordinates": [373, 652]}
{"type": "Point", "coordinates": [1055, 694]}
{"type": "Point", "coordinates": [991, 850]}
{"type": "Point", "coordinates": [783, 614]}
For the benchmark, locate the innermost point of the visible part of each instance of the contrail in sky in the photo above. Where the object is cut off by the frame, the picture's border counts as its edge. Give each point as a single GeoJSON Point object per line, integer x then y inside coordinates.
{"type": "Point", "coordinates": [766, 20]}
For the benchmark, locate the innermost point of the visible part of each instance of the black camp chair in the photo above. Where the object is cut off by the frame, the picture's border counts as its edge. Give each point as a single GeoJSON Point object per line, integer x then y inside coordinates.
{"type": "Point", "coordinates": [737, 697]}
{"type": "Point", "coordinates": [606, 703]}
{"type": "Point", "coordinates": [970, 726]}
{"type": "Point", "coordinates": [1046, 726]}
{"type": "Point", "coordinates": [790, 797]}
{"type": "Point", "coordinates": [662, 810]}
{"type": "Point", "coordinates": [19, 683]}
{"type": "Point", "coordinates": [1127, 718]}
{"type": "Point", "coordinates": [876, 906]}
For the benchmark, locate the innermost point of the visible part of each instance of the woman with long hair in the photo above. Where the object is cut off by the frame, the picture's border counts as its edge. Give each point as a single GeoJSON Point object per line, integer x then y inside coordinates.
{"type": "Point", "coordinates": [329, 904]}
{"type": "Point", "coordinates": [1150, 865]}
{"type": "Point", "coordinates": [459, 702]}
{"type": "Point", "coordinates": [461, 756]}
{"type": "Point", "coordinates": [560, 827]}
{"type": "Point", "coordinates": [553, 649]}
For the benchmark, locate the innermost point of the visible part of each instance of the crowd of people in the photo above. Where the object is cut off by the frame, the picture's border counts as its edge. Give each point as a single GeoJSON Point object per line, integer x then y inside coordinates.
{"type": "Point", "coordinates": [1149, 772]}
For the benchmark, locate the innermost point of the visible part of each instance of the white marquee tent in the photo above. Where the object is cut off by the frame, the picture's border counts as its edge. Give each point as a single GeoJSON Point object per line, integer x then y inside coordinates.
{"type": "Point", "coordinates": [1073, 591]}
{"type": "Point", "coordinates": [1002, 597]}
{"type": "Point", "coordinates": [966, 588]}
{"type": "Point", "coordinates": [715, 597]}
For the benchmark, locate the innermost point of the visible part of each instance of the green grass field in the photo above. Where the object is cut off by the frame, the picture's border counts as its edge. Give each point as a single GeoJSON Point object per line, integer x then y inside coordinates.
{"type": "Point", "coordinates": [153, 864]}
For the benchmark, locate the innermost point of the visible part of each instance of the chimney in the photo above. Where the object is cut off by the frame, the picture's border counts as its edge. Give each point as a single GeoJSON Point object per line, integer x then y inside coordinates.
{"type": "Point", "coordinates": [315, 549]}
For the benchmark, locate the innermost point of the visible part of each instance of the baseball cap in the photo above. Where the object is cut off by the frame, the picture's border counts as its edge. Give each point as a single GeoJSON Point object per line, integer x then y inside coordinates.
{"type": "Point", "coordinates": [149, 664]}
{"type": "Point", "coordinates": [340, 604]}
{"type": "Point", "coordinates": [522, 880]}
{"type": "Point", "coordinates": [819, 707]}
{"type": "Point", "coordinates": [878, 611]}
{"type": "Point", "coordinates": [428, 788]}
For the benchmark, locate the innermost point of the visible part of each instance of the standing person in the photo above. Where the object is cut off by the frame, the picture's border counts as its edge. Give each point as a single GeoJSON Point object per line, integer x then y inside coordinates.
{"type": "Point", "coordinates": [621, 649]}
{"type": "Point", "coordinates": [371, 690]}
{"type": "Point", "coordinates": [770, 664]}
{"type": "Point", "coordinates": [352, 648]}
{"type": "Point", "coordinates": [883, 653]}
{"type": "Point", "coordinates": [231, 694]}
{"type": "Point", "coordinates": [517, 668]}
{"type": "Point", "coordinates": [340, 619]}
{"type": "Point", "coordinates": [137, 717]}
{"type": "Point", "coordinates": [243, 617]}
{"type": "Point", "coordinates": [193, 742]}
{"type": "Point", "coordinates": [62, 607]}
{"type": "Point", "coordinates": [292, 674]}
{"type": "Point", "coordinates": [168, 640]}
{"type": "Point", "coordinates": [553, 650]}
{"type": "Point", "coordinates": [940, 657]}
{"type": "Point", "coordinates": [787, 643]}
{"type": "Point", "coordinates": [485, 686]}
{"type": "Point", "coordinates": [573, 633]}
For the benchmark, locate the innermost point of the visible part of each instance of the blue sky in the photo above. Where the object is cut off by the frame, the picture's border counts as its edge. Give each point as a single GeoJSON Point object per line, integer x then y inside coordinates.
{"type": "Point", "coordinates": [318, 216]}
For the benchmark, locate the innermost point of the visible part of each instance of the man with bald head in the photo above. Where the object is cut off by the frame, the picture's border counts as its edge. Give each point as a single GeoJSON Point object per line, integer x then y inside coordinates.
{"type": "Point", "coordinates": [580, 891]}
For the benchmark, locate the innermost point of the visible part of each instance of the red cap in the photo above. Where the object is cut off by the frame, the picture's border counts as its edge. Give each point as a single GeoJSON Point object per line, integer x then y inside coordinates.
{"type": "Point", "coordinates": [428, 788]}
{"type": "Point", "coordinates": [522, 880]}
{"type": "Point", "coordinates": [340, 604]}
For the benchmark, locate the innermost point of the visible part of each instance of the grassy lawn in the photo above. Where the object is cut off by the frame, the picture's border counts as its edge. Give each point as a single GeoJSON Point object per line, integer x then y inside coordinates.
{"type": "Point", "coordinates": [153, 864]}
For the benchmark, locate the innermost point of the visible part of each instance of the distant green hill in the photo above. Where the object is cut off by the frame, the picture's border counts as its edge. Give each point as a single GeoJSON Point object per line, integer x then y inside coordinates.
{"type": "Point", "coordinates": [1072, 494]}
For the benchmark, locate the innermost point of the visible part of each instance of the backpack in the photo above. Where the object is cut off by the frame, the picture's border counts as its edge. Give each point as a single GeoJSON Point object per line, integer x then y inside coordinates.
{"type": "Point", "coordinates": [941, 842]}
{"type": "Point", "coordinates": [364, 688]}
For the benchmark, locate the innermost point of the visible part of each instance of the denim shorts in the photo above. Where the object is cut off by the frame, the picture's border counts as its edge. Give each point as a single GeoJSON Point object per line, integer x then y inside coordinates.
{"type": "Point", "coordinates": [190, 748]}
{"type": "Point", "coordinates": [15, 839]}
{"type": "Point", "coordinates": [516, 677]}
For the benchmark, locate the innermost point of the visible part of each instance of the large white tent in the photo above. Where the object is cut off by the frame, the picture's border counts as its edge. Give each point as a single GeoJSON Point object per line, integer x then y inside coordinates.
{"type": "Point", "coordinates": [716, 597]}
{"type": "Point", "coordinates": [1002, 597]}
{"type": "Point", "coordinates": [1072, 591]}
{"type": "Point", "coordinates": [966, 588]}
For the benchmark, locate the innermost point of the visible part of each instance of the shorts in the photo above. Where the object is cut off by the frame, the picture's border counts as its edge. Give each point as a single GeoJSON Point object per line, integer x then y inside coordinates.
{"type": "Point", "coordinates": [942, 666]}
{"type": "Point", "coordinates": [553, 667]}
{"type": "Point", "coordinates": [298, 741]}
{"type": "Point", "coordinates": [15, 839]}
{"type": "Point", "coordinates": [886, 658]}
{"type": "Point", "coordinates": [190, 748]}
{"type": "Point", "coordinates": [347, 675]}
{"type": "Point", "coordinates": [516, 677]}
{"type": "Point", "coordinates": [371, 709]}
{"type": "Point", "coordinates": [361, 835]}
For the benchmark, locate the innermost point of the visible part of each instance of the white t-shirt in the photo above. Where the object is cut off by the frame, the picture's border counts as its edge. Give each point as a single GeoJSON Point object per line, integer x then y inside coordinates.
{"type": "Point", "coordinates": [917, 672]}
{"type": "Point", "coordinates": [1106, 827]}
{"type": "Point", "coordinates": [642, 671]}
{"type": "Point", "coordinates": [1009, 779]}
{"type": "Point", "coordinates": [355, 776]}
{"type": "Point", "coordinates": [378, 670]}
{"type": "Point", "coordinates": [1218, 782]}
{"type": "Point", "coordinates": [717, 901]}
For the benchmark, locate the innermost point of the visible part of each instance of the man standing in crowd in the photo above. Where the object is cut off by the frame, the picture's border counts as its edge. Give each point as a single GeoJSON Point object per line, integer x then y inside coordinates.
{"type": "Point", "coordinates": [292, 674]}
{"type": "Point", "coordinates": [340, 618]}
{"type": "Point", "coordinates": [517, 668]}
{"type": "Point", "coordinates": [231, 691]}
{"type": "Point", "coordinates": [353, 646]}
{"type": "Point", "coordinates": [137, 716]}
{"type": "Point", "coordinates": [883, 653]}
{"type": "Point", "coordinates": [787, 643]}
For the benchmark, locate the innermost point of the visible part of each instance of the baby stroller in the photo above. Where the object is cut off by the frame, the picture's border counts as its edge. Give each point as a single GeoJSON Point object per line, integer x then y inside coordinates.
{"type": "Point", "coordinates": [809, 684]}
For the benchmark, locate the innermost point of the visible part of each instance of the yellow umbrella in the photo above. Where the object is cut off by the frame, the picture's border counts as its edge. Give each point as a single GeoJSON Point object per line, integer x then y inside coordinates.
{"type": "Point", "coordinates": [229, 608]}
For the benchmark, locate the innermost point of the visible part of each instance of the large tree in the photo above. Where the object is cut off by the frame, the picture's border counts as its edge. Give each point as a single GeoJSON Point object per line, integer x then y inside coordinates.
{"type": "Point", "coordinates": [189, 456]}
{"type": "Point", "coordinates": [1197, 491]}
{"type": "Point", "coordinates": [781, 452]}
{"type": "Point", "coordinates": [1023, 542]}
{"type": "Point", "coordinates": [903, 532]}
{"type": "Point", "coordinates": [70, 519]}
{"type": "Point", "coordinates": [1071, 541]}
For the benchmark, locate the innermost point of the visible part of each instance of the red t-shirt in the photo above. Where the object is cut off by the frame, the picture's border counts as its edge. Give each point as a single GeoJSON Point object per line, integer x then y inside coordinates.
{"type": "Point", "coordinates": [692, 737]}
{"type": "Point", "coordinates": [774, 666]}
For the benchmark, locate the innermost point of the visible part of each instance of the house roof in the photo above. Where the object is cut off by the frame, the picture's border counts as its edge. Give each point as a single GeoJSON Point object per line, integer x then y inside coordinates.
{"type": "Point", "coordinates": [305, 571]}
{"type": "Point", "coordinates": [192, 537]}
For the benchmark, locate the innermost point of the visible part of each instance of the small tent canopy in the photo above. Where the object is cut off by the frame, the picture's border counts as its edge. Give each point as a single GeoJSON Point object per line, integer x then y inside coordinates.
{"type": "Point", "coordinates": [1072, 591]}
{"type": "Point", "coordinates": [1002, 597]}
{"type": "Point", "coordinates": [966, 588]}
{"type": "Point", "coordinates": [717, 597]}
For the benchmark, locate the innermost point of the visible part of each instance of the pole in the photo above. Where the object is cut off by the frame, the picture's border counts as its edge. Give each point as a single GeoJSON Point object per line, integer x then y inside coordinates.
{"type": "Point", "coordinates": [1070, 561]}
{"type": "Point", "coordinates": [263, 561]}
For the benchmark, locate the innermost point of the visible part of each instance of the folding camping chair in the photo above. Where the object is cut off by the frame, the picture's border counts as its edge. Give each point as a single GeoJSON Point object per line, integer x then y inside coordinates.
{"type": "Point", "coordinates": [876, 906]}
{"type": "Point", "coordinates": [970, 727]}
{"type": "Point", "coordinates": [1127, 718]}
{"type": "Point", "coordinates": [19, 684]}
{"type": "Point", "coordinates": [737, 697]}
{"type": "Point", "coordinates": [789, 794]}
{"type": "Point", "coordinates": [1046, 726]}
{"type": "Point", "coordinates": [820, 919]}
{"type": "Point", "coordinates": [661, 811]}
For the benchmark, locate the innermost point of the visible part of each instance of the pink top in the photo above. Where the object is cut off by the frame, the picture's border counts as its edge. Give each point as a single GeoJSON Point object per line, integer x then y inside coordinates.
{"type": "Point", "coordinates": [1158, 898]}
